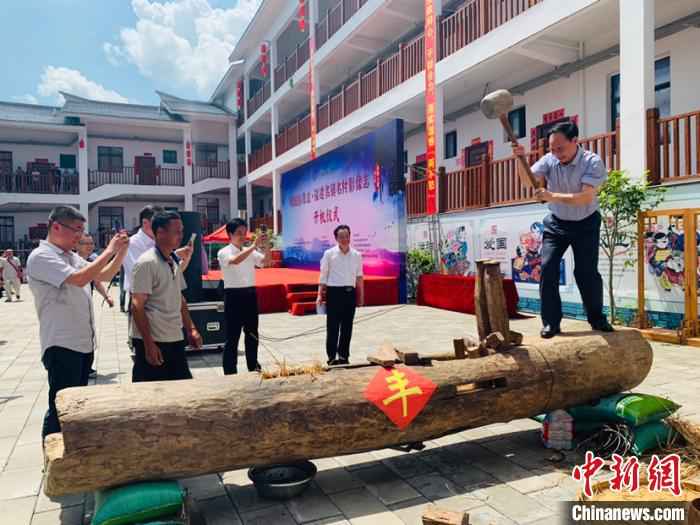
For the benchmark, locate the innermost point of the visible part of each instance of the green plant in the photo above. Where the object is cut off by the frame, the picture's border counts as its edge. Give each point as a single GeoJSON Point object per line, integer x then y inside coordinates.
{"type": "Point", "coordinates": [621, 201]}
{"type": "Point", "coordinates": [417, 262]}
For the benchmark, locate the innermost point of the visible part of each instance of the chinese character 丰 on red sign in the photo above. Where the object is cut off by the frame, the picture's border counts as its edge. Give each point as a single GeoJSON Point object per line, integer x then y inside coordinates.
{"type": "Point", "coordinates": [400, 393]}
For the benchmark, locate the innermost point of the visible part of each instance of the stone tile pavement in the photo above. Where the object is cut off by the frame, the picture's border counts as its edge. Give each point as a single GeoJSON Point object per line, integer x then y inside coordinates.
{"type": "Point", "coordinates": [500, 474]}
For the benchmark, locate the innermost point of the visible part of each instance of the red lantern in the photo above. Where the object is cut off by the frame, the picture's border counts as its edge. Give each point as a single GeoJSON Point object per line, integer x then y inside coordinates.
{"type": "Point", "coordinates": [239, 94]}
{"type": "Point", "coordinates": [301, 14]}
{"type": "Point", "coordinates": [264, 57]}
{"type": "Point", "coordinates": [81, 144]}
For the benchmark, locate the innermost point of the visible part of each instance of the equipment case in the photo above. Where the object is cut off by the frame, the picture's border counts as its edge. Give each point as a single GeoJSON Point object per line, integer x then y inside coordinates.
{"type": "Point", "coordinates": [209, 320]}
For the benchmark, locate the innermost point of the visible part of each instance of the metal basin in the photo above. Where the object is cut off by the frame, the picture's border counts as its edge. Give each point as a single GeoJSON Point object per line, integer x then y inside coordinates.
{"type": "Point", "coordinates": [282, 481]}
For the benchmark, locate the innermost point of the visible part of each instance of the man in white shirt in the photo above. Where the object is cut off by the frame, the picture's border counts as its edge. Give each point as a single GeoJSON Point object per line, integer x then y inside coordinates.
{"type": "Point", "coordinates": [59, 280]}
{"type": "Point", "coordinates": [238, 265]}
{"type": "Point", "coordinates": [11, 271]}
{"type": "Point", "coordinates": [341, 288]}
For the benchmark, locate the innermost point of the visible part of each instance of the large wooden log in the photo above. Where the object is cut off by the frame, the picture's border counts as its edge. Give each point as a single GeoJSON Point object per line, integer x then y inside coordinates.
{"type": "Point", "coordinates": [122, 433]}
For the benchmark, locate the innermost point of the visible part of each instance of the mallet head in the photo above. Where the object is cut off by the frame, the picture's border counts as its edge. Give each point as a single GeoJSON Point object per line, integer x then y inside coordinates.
{"type": "Point", "coordinates": [496, 104]}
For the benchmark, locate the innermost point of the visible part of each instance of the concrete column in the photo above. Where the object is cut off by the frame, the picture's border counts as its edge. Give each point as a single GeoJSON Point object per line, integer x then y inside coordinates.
{"type": "Point", "coordinates": [274, 128]}
{"type": "Point", "coordinates": [249, 201]}
{"type": "Point", "coordinates": [637, 46]}
{"type": "Point", "coordinates": [273, 63]}
{"type": "Point", "coordinates": [246, 93]}
{"type": "Point", "coordinates": [248, 149]}
{"type": "Point", "coordinates": [233, 169]}
{"type": "Point", "coordinates": [187, 139]}
{"type": "Point", "coordinates": [276, 199]}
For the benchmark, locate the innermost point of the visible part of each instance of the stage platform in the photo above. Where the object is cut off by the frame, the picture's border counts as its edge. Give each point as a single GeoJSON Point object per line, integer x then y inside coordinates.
{"type": "Point", "coordinates": [279, 289]}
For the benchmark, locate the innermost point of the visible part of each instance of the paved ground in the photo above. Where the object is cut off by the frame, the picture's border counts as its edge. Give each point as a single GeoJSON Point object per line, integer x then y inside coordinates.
{"type": "Point", "coordinates": [499, 474]}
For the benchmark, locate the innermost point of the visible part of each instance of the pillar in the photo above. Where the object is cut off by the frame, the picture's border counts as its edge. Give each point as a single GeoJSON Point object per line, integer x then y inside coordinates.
{"type": "Point", "coordinates": [248, 149]}
{"type": "Point", "coordinates": [233, 169]}
{"type": "Point", "coordinates": [249, 201]}
{"type": "Point", "coordinates": [637, 46]}
{"type": "Point", "coordinates": [276, 199]}
{"type": "Point", "coordinates": [83, 175]}
{"type": "Point", "coordinates": [274, 128]}
{"type": "Point", "coordinates": [187, 139]}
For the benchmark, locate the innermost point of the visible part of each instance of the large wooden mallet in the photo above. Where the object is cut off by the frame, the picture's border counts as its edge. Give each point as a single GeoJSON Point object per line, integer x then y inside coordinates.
{"type": "Point", "coordinates": [496, 105]}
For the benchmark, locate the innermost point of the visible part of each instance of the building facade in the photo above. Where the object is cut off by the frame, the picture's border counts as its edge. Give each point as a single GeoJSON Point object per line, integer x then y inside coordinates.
{"type": "Point", "coordinates": [624, 70]}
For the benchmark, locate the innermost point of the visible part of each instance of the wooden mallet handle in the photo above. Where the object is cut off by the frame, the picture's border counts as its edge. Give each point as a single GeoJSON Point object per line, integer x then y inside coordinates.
{"type": "Point", "coordinates": [523, 161]}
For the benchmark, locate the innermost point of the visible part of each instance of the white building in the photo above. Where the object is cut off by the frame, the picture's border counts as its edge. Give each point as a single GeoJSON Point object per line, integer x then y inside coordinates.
{"type": "Point", "coordinates": [111, 159]}
{"type": "Point", "coordinates": [598, 62]}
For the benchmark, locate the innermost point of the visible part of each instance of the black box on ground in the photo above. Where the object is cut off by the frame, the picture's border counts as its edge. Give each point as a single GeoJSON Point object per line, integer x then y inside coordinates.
{"type": "Point", "coordinates": [209, 320]}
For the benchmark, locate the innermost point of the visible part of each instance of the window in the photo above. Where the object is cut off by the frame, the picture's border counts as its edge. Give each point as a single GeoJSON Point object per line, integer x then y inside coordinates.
{"type": "Point", "coordinates": [516, 118]}
{"type": "Point", "coordinates": [110, 158]}
{"type": "Point", "coordinates": [451, 145]}
{"type": "Point", "coordinates": [7, 230]}
{"type": "Point", "coordinates": [209, 209]}
{"type": "Point", "coordinates": [169, 156]}
{"type": "Point", "coordinates": [662, 90]}
{"type": "Point", "coordinates": [110, 218]}
{"type": "Point", "coordinates": [206, 154]}
{"type": "Point", "coordinates": [67, 162]}
{"type": "Point", "coordinates": [5, 162]}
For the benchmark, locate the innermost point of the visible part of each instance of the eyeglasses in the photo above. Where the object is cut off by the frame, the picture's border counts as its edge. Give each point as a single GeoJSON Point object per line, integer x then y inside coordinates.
{"type": "Point", "coordinates": [74, 230]}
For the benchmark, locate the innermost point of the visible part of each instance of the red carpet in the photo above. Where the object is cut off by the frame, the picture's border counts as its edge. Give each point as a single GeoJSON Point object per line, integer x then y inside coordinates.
{"type": "Point", "coordinates": [456, 293]}
{"type": "Point", "coordinates": [274, 284]}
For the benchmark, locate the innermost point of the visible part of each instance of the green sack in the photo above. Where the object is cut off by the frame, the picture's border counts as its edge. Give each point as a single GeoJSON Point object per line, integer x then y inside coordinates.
{"type": "Point", "coordinates": [137, 503]}
{"type": "Point", "coordinates": [650, 436]}
{"type": "Point", "coordinates": [633, 409]}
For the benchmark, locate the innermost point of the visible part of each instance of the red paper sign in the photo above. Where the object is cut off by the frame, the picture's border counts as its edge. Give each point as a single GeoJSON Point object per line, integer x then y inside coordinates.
{"type": "Point", "coordinates": [430, 38]}
{"type": "Point", "coordinates": [400, 393]}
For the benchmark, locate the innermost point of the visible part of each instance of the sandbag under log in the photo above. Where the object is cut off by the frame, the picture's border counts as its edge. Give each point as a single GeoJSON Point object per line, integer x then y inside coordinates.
{"type": "Point", "coordinates": [117, 434]}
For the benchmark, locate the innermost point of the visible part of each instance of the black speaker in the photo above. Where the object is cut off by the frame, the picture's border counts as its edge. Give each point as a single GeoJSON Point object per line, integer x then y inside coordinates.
{"type": "Point", "coordinates": [192, 222]}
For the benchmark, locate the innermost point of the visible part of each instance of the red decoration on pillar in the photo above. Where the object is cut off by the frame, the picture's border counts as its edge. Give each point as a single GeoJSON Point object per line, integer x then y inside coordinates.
{"type": "Point", "coordinates": [264, 57]}
{"type": "Point", "coordinates": [189, 161]}
{"type": "Point", "coordinates": [239, 94]}
{"type": "Point", "coordinates": [301, 14]}
{"type": "Point", "coordinates": [81, 144]}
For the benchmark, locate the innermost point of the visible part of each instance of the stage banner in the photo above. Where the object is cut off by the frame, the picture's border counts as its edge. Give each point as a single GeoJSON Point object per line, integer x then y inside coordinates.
{"type": "Point", "coordinates": [430, 51]}
{"type": "Point", "coordinates": [360, 184]}
{"type": "Point", "coordinates": [312, 95]}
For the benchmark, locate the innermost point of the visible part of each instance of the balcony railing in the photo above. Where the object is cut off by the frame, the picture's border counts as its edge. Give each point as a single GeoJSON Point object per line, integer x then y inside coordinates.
{"type": "Point", "coordinates": [265, 220]}
{"type": "Point", "coordinates": [129, 175]}
{"type": "Point", "coordinates": [471, 21]}
{"type": "Point", "coordinates": [291, 64]}
{"type": "Point", "coordinates": [335, 18]}
{"type": "Point", "coordinates": [677, 141]}
{"type": "Point", "coordinates": [49, 184]}
{"type": "Point", "coordinates": [260, 157]}
{"type": "Point", "coordinates": [213, 170]}
{"type": "Point", "coordinates": [257, 100]}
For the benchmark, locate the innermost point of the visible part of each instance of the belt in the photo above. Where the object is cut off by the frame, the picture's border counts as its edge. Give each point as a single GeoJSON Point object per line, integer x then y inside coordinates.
{"type": "Point", "coordinates": [342, 288]}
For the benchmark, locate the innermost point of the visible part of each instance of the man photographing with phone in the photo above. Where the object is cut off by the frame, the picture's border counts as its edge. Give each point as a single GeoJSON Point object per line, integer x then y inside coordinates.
{"type": "Point", "coordinates": [238, 264]}
{"type": "Point", "coordinates": [159, 310]}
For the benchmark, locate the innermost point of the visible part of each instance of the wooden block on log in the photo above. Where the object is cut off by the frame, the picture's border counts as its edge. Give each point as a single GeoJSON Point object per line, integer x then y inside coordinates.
{"type": "Point", "coordinates": [473, 352]}
{"type": "Point", "coordinates": [436, 516]}
{"type": "Point", "coordinates": [480, 304]}
{"type": "Point", "coordinates": [409, 358]}
{"type": "Point", "coordinates": [516, 338]}
{"type": "Point", "coordinates": [460, 347]}
{"type": "Point", "coordinates": [496, 341]}
{"type": "Point", "coordinates": [385, 356]}
{"type": "Point", "coordinates": [496, 299]}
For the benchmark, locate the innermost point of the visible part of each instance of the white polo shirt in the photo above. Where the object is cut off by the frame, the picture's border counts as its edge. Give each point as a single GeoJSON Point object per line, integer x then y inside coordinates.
{"type": "Point", "coordinates": [241, 275]}
{"type": "Point", "coordinates": [340, 269]}
{"type": "Point", "coordinates": [139, 243]}
{"type": "Point", "coordinates": [64, 310]}
{"type": "Point", "coordinates": [8, 270]}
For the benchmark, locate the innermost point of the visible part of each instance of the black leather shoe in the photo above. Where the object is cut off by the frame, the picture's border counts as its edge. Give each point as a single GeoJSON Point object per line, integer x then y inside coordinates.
{"type": "Point", "coordinates": [342, 361]}
{"type": "Point", "coordinates": [549, 331]}
{"type": "Point", "coordinates": [604, 326]}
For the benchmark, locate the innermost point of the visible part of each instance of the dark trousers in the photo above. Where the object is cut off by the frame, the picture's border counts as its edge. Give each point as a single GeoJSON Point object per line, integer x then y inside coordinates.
{"type": "Point", "coordinates": [340, 313]}
{"type": "Point", "coordinates": [66, 368]}
{"type": "Point", "coordinates": [174, 365]}
{"type": "Point", "coordinates": [584, 238]}
{"type": "Point", "coordinates": [241, 313]}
